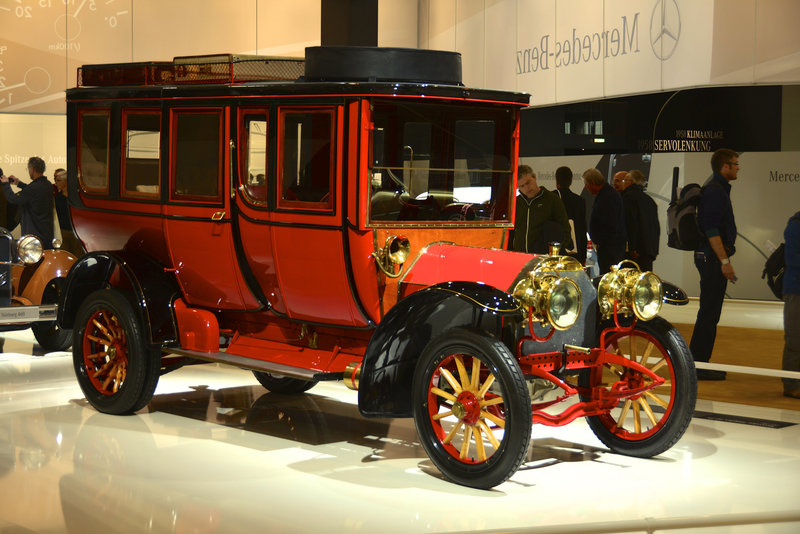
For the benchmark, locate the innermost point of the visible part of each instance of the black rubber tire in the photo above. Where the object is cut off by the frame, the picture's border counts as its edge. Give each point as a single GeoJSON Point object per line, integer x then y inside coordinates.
{"type": "Point", "coordinates": [515, 410]}
{"type": "Point", "coordinates": [283, 384]}
{"type": "Point", "coordinates": [680, 394]}
{"type": "Point", "coordinates": [140, 362]}
{"type": "Point", "coordinates": [49, 335]}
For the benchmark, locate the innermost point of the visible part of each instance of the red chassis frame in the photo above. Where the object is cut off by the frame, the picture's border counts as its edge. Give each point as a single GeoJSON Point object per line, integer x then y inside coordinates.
{"type": "Point", "coordinates": [542, 365]}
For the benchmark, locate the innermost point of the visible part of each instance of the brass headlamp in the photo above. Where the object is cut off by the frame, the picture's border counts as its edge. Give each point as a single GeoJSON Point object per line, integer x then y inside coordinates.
{"type": "Point", "coordinates": [635, 292]}
{"type": "Point", "coordinates": [394, 253]}
{"type": "Point", "coordinates": [550, 298]}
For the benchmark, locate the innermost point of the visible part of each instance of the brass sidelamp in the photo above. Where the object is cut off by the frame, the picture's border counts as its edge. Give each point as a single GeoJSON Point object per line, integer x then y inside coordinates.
{"type": "Point", "coordinates": [630, 291]}
{"type": "Point", "coordinates": [393, 255]}
{"type": "Point", "coordinates": [551, 299]}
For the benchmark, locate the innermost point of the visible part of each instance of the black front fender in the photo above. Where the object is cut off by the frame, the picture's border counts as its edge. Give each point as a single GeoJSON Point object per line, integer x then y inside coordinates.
{"type": "Point", "coordinates": [388, 368]}
{"type": "Point", "coordinates": [151, 288]}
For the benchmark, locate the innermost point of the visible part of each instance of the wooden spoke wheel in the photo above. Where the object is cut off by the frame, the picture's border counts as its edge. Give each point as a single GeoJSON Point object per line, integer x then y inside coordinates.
{"type": "Point", "coordinates": [649, 423]}
{"type": "Point", "coordinates": [472, 408]}
{"type": "Point", "coordinates": [116, 368]}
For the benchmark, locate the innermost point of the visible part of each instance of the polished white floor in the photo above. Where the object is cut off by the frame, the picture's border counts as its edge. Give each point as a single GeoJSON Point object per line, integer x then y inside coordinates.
{"type": "Point", "coordinates": [214, 452]}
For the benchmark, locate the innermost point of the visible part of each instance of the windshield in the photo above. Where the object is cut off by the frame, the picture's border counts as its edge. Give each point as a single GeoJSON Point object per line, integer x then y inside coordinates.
{"type": "Point", "coordinates": [441, 162]}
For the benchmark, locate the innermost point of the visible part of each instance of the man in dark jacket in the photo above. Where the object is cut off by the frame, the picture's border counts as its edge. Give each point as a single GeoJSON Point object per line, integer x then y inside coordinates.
{"type": "Point", "coordinates": [35, 201]}
{"type": "Point", "coordinates": [540, 217]}
{"type": "Point", "coordinates": [641, 222]}
{"type": "Point", "coordinates": [715, 217]}
{"type": "Point", "coordinates": [576, 211]}
{"type": "Point", "coordinates": [791, 306]}
{"type": "Point", "coordinates": [607, 221]}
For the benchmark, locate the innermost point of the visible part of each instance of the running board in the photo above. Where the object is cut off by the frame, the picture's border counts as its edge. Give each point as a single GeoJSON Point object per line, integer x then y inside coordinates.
{"type": "Point", "coordinates": [256, 365]}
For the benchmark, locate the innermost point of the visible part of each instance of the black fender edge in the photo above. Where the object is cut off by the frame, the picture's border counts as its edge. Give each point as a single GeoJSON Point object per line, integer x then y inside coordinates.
{"type": "Point", "coordinates": [387, 370]}
{"type": "Point", "coordinates": [152, 289]}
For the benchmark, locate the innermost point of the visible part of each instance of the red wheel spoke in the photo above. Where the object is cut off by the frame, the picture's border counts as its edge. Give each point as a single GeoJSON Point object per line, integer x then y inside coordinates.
{"type": "Point", "coordinates": [104, 330]}
{"type": "Point", "coordinates": [103, 369]}
{"type": "Point", "coordinates": [105, 352]}
{"type": "Point", "coordinates": [95, 356]}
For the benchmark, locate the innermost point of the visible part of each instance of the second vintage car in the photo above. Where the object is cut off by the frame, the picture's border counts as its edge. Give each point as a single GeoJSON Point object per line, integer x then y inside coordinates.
{"type": "Point", "coordinates": [31, 281]}
{"type": "Point", "coordinates": [345, 217]}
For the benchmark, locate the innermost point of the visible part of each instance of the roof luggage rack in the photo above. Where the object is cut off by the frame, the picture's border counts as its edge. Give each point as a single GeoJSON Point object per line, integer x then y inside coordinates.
{"type": "Point", "coordinates": [217, 68]}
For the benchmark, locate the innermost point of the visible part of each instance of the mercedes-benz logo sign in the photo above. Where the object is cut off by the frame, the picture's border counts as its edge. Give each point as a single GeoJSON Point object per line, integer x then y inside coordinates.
{"type": "Point", "coordinates": [665, 28]}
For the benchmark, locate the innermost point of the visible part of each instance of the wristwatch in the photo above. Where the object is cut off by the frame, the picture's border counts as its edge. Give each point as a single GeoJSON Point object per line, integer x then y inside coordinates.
{"type": "Point", "coordinates": [726, 261]}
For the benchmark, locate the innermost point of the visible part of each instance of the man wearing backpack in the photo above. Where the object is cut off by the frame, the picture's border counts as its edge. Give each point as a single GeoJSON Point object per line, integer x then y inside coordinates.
{"type": "Point", "coordinates": [712, 259]}
{"type": "Point", "coordinates": [791, 306]}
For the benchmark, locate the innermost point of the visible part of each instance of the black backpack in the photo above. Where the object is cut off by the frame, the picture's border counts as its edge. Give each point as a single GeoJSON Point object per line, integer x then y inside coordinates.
{"type": "Point", "coordinates": [683, 230]}
{"type": "Point", "coordinates": [773, 271]}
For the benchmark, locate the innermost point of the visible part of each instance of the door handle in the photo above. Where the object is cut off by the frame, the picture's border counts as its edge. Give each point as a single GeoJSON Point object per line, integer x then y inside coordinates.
{"type": "Point", "coordinates": [218, 215]}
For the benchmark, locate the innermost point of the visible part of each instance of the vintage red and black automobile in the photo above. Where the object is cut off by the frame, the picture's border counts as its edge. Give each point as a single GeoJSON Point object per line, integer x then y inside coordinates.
{"type": "Point", "coordinates": [344, 217]}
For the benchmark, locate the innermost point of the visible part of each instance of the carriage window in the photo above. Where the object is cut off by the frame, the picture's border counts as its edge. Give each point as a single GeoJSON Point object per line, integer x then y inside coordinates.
{"type": "Point", "coordinates": [93, 150]}
{"type": "Point", "coordinates": [141, 152]}
{"type": "Point", "coordinates": [444, 164]}
{"type": "Point", "coordinates": [197, 153]}
{"type": "Point", "coordinates": [255, 158]}
{"type": "Point", "coordinates": [306, 170]}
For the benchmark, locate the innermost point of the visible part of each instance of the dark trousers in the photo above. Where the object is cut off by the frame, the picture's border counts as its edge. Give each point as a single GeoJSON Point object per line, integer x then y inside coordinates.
{"type": "Point", "coordinates": [712, 293]}
{"type": "Point", "coordinates": [609, 254]}
{"type": "Point", "coordinates": [791, 330]}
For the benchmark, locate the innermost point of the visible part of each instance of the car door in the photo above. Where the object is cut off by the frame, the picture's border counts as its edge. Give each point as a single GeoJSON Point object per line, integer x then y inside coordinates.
{"type": "Point", "coordinates": [197, 214]}
{"type": "Point", "coordinates": [307, 229]}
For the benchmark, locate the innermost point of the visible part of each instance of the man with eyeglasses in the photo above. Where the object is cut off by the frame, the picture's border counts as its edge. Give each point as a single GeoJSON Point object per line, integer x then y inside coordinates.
{"type": "Point", "coordinates": [713, 259]}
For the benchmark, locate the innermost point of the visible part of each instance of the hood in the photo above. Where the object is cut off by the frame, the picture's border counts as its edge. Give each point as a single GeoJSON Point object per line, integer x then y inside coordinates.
{"type": "Point", "coordinates": [447, 262]}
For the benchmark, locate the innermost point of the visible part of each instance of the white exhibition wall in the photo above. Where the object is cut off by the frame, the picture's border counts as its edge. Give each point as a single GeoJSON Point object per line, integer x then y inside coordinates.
{"type": "Point", "coordinates": [572, 50]}
{"type": "Point", "coordinates": [43, 42]}
{"type": "Point", "coordinates": [583, 49]}
{"type": "Point", "coordinates": [764, 197]}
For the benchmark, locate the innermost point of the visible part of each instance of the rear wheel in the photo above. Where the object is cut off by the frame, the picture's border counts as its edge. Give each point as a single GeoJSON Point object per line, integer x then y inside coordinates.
{"type": "Point", "coordinates": [648, 424]}
{"type": "Point", "coordinates": [283, 384]}
{"type": "Point", "coordinates": [48, 334]}
{"type": "Point", "coordinates": [472, 408]}
{"type": "Point", "coordinates": [116, 368]}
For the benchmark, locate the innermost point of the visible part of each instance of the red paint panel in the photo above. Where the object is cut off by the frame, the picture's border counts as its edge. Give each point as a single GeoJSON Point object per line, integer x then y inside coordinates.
{"type": "Point", "coordinates": [365, 272]}
{"type": "Point", "coordinates": [444, 263]}
{"type": "Point", "coordinates": [312, 276]}
{"type": "Point", "coordinates": [98, 230]}
{"type": "Point", "coordinates": [206, 265]}
{"type": "Point", "coordinates": [257, 244]}
{"type": "Point", "coordinates": [294, 356]}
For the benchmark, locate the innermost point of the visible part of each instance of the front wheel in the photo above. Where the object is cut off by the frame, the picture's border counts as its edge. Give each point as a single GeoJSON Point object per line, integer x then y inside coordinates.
{"type": "Point", "coordinates": [648, 424]}
{"type": "Point", "coordinates": [472, 409]}
{"type": "Point", "coordinates": [49, 335]}
{"type": "Point", "coordinates": [116, 368]}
